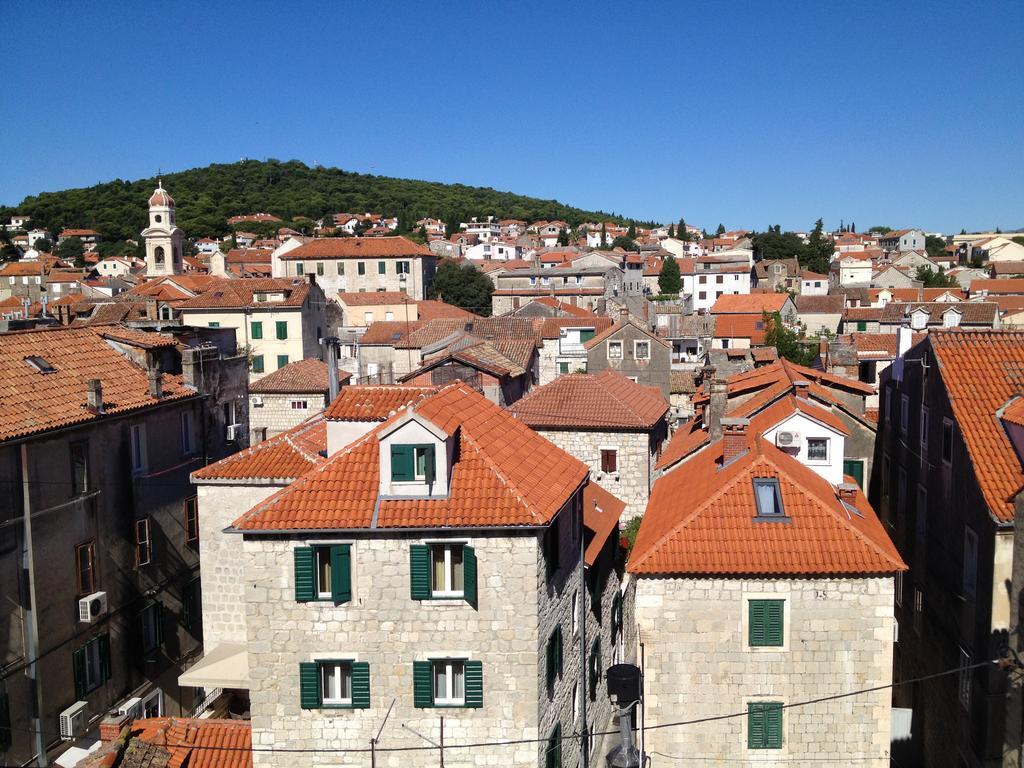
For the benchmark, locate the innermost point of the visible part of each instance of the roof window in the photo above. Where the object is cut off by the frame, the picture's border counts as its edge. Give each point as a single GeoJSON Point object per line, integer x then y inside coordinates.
{"type": "Point", "coordinates": [41, 364]}
{"type": "Point", "coordinates": [768, 499]}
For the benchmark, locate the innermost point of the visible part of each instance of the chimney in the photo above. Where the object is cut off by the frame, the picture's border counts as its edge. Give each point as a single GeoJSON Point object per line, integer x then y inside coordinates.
{"type": "Point", "coordinates": [801, 386]}
{"type": "Point", "coordinates": [112, 725]}
{"type": "Point", "coordinates": [848, 493]}
{"type": "Point", "coordinates": [155, 383]}
{"type": "Point", "coordinates": [718, 402]}
{"type": "Point", "coordinates": [94, 395]}
{"type": "Point", "coordinates": [734, 438]}
{"type": "Point", "coordinates": [331, 361]}
{"type": "Point", "coordinates": [623, 314]}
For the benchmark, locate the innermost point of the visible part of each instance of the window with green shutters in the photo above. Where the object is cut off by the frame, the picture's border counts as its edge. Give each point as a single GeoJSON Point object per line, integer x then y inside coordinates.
{"type": "Point", "coordinates": [5, 723]}
{"type": "Point", "coordinates": [90, 664]}
{"type": "Point", "coordinates": [586, 334]}
{"type": "Point", "coordinates": [257, 364]}
{"type": "Point", "coordinates": [213, 324]}
{"type": "Point", "coordinates": [281, 327]}
{"type": "Point", "coordinates": [150, 628]}
{"type": "Point", "coordinates": [448, 683]}
{"type": "Point", "coordinates": [256, 329]}
{"type": "Point", "coordinates": [282, 361]}
{"type": "Point", "coordinates": [765, 620]}
{"type": "Point", "coordinates": [862, 326]}
{"type": "Point", "coordinates": [594, 671]}
{"type": "Point", "coordinates": [554, 657]}
{"type": "Point", "coordinates": [341, 268]}
{"type": "Point", "coordinates": [334, 684]}
{"type": "Point", "coordinates": [361, 267]}
{"type": "Point", "coordinates": [764, 725]}
{"type": "Point", "coordinates": [320, 268]}
{"type": "Point", "coordinates": [190, 612]}
{"type": "Point", "coordinates": [616, 615]}
{"type": "Point", "coordinates": [443, 572]}
{"type": "Point", "coordinates": [300, 268]}
{"type": "Point", "coordinates": [553, 753]}
{"type": "Point", "coordinates": [563, 367]}
{"type": "Point", "coordinates": [323, 573]}
{"type": "Point", "coordinates": [412, 463]}
{"type": "Point", "coordinates": [382, 267]}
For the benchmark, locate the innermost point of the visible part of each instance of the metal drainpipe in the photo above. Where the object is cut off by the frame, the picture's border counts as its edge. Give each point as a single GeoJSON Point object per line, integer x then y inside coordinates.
{"type": "Point", "coordinates": [584, 742]}
{"type": "Point", "coordinates": [32, 624]}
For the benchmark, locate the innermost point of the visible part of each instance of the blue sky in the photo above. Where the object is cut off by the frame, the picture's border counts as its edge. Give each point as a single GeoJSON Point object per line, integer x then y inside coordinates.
{"type": "Point", "coordinates": [745, 113]}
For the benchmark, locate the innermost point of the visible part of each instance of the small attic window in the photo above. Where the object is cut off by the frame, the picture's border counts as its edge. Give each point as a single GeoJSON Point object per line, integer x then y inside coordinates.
{"type": "Point", "coordinates": [768, 499]}
{"type": "Point", "coordinates": [41, 364]}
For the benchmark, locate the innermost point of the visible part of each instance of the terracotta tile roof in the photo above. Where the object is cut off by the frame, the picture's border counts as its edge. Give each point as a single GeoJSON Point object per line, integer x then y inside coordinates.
{"type": "Point", "coordinates": [357, 248]}
{"type": "Point", "coordinates": [241, 293]}
{"type": "Point", "coordinates": [777, 378]}
{"type": "Point", "coordinates": [741, 327]}
{"type": "Point", "coordinates": [78, 233]}
{"type": "Point", "coordinates": [505, 475]}
{"type": "Point", "coordinates": [389, 333]}
{"type": "Point", "coordinates": [700, 520]}
{"type": "Point", "coordinates": [500, 357]}
{"type": "Point", "coordinates": [551, 328]}
{"type": "Point", "coordinates": [31, 401]}
{"type": "Point", "coordinates": [562, 306]}
{"type": "Point", "coordinates": [749, 303]}
{"type": "Point", "coordinates": [829, 305]}
{"type": "Point", "coordinates": [489, 328]}
{"type": "Point", "coordinates": [601, 514]}
{"type": "Point", "coordinates": [1014, 412]}
{"type": "Point", "coordinates": [373, 403]}
{"type": "Point", "coordinates": [866, 314]}
{"type": "Point", "coordinates": [972, 312]}
{"type": "Point", "coordinates": [1008, 305]}
{"type": "Point", "coordinates": [966, 359]}
{"type": "Point", "coordinates": [1006, 285]}
{"type": "Point", "coordinates": [607, 400]}
{"type": "Point", "coordinates": [764, 354]}
{"type": "Point", "coordinates": [282, 458]}
{"type": "Point", "coordinates": [193, 743]}
{"type": "Point", "coordinates": [682, 382]}
{"type": "Point", "coordinates": [372, 298]}
{"type": "Point", "coordinates": [113, 312]}
{"type": "Point", "coordinates": [877, 346]}
{"type": "Point", "coordinates": [137, 338]}
{"type": "Point", "coordinates": [431, 309]}
{"type": "Point", "coordinates": [302, 376]}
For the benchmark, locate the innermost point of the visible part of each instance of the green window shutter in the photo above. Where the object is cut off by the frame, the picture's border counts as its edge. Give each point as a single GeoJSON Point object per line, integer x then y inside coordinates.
{"type": "Point", "coordinates": [104, 641]}
{"type": "Point", "coordinates": [341, 573]}
{"type": "Point", "coordinates": [78, 665]}
{"type": "Point", "coordinates": [158, 620]}
{"type": "Point", "coordinates": [469, 574]}
{"type": "Point", "coordinates": [419, 568]}
{"type": "Point", "coordinates": [862, 326]}
{"type": "Point", "coordinates": [309, 685]}
{"type": "Point", "coordinates": [360, 685]}
{"type": "Point", "coordinates": [428, 473]}
{"type": "Point", "coordinates": [382, 268]}
{"type": "Point", "coordinates": [553, 753]}
{"type": "Point", "coordinates": [5, 723]}
{"type": "Point", "coordinates": [474, 684]}
{"type": "Point", "coordinates": [766, 622]}
{"type": "Point", "coordinates": [563, 367]}
{"type": "Point", "coordinates": [305, 574]}
{"type": "Point", "coordinates": [401, 463]}
{"type": "Point", "coordinates": [256, 329]}
{"type": "Point", "coordinates": [755, 726]}
{"type": "Point", "coordinates": [616, 614]}
{"type": "Point", "coordinates": [773, 725]}
{"type": "Point", "coordinates": [282, 361]}
{"type": "Point", "coordinates": [282, 329]}
{"type": "Point", "coordinates": [550, 661]}
{"type": "Point", "coordinates": [423, 684]}
{"type": "Point", "coordinates": [586, 335]}
{"type": "Point", "coordinates": [257, 364]}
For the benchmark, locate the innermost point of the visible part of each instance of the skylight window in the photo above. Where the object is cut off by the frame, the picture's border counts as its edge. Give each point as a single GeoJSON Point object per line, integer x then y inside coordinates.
{"type": "Point", "coordinates": [40, 364]}
{"type": "Point", "coordinates": [768, 499]}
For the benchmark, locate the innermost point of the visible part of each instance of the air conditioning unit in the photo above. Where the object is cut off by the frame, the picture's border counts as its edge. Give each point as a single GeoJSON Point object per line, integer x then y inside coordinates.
{"type": "Point", "coordinates": [72, 721]}
{"type": "Point", "coordinates": [131, 707]}
{"type": "Point", "coordinates": [787, 439]}
{"type": "Point", "coordinates": [92, 607]}
{"type": "Point", "coordinates": [234, 430]}
{"type": "Point", "coordinates": [257, 401]}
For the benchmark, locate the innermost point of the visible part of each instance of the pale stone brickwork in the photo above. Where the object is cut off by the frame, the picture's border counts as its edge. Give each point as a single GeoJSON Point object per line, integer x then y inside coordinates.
{"type": "Point", "coordinates": [838, 638]}
{"type": "Point", "coordinates": [342, 275]}
{"type": "Point", "coordinates": [277, 414]}
{"type": "Point", "coordinates": [223, 585]}
{"type": "Point", "coordinates": [547, 364]}
{"type": "Point", "coordinates": [385, 627]}
{"type": "Point", "coordinates": [632, 482]}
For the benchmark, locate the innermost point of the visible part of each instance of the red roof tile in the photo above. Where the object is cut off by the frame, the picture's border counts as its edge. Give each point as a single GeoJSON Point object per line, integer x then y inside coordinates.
{"type": "Point", "coordinates": [982, 370]}
{"type": "Point", "coordinates": [283, 457]}
{"type": "Point", "coordinates": [373, 298]}
{"type": "Point", "coordinates": [749, 303]}
{"type": "Point", "coordinates": [198, 743]}
{"type": "Point", "coordinates": [736, 326]}
{"type": "Point", "coordinates": [431, 309]}
{"type": "Point", "coordinates": [302, 376]}
{"type": "Point", "coordinates": [551, 327]}
{"type": "Point", "coordinates": [373, 403]}
{"type": "Point", "coordinates": [607, 400]}
{"type": "Point", "coordinates": [701, 520]}
{"type": "Point", "coordinates": [357, 248]}
{"type": "Point", "coordinates": [241, 293]}
{"type": "Point", "coordinates": [505, 475]}
{"type": "Point", "coordinates": [601, 514]}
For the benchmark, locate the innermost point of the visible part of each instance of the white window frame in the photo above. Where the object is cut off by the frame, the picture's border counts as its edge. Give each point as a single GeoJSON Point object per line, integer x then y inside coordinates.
{"type": "Point", "coordinates": [575, 615]}
{"type": "Point", "coordinates": [416, 452]}
{"type": "Point", "coordinates": [828, 450]}
{"type": "Point", "coordinates": [636, 344]}
{"type": "Point", "coordinates": [338, 667]}
{"type": "Point", "coordinates": [449, 573]}
{"type": "Point", "coordinates": [137, 441]}
{"type": "Point", "coordinates": [450, 666]}
{"type": "Point", "coordinates": [318, 553]}
{"type": "Point", "coordinates": [614, 345]}
{"type": "Point", "coordinates": [299, 405]}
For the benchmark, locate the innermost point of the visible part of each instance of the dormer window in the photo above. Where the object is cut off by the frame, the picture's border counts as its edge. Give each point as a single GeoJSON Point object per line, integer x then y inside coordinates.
{"type": "Point", "coordinates": [768, 499]}
{"type": "Point", "coordinates": [412, 463]}
{"type": "Point", "coordinates": [919, 320]}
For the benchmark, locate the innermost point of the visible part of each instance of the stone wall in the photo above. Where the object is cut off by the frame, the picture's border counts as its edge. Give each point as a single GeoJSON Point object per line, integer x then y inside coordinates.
{"type": "Point", "coordinates": [632, 482]}
{"type": "Point", "coordinates": [383, 626]}
{"type": "Point", "coordinates": [276, 414]}
{"type": "Point", "coordinates": [839, 638]}
{"type": "Point", "coordinates": [547, 370]}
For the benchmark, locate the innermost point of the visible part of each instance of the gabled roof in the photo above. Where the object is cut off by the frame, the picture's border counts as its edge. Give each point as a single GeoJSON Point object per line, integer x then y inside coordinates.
{"type": "Point", "coordinates": [505, 475]}
{"type": "Point", "coordinates": [282, 458]}
{"type": "Point", "coordinates": [500, 357]}
{"type": "Point", "coordinates": [32, 401]}
{"type": "Point", "coordinates": [702, 521]}
{"type": "Point", "coordinates": [373, 402]}
{"type": "Point", "coordinates": [982, 370]}
{"type": "Point", "coordinates": [607, 400]}
{"type": "Point", "coordinates": [241, 293]}
{"type": "Point", "coordinates": [432, 309]}
{"type": "Point", "coordinates": [737, 326]}
{"type": "Point", "coordinates": [972, 312]}
{"type": "Point", "coordinates": [831, 304]}
{"type": "Point", "coordinates": [877, 346]}
{"type": "Point", "coordinates": [613, 329]}
{"type": "Point", "coordinates": [601, 513]}
{"type": "Point", "coordinates": [562, 306]}
{"type": "Point", "coordinates": [357, 248]}
{"type": "Point", "coordinates": [307, 376]}
{"type": "Point", "coordinates": [1006, 285]}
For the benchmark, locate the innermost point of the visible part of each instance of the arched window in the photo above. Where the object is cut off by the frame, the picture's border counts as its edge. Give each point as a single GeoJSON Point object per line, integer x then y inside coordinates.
{"type": "Point", "coordinates": [158, 218]}
{"type": "Point", "coordinates": [158, 254]}
{"type": "Point", "coordinates": [165, 312]}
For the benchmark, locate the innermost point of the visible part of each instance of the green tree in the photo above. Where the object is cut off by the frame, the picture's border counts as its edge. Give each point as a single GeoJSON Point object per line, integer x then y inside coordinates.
{"type": "Point", "coordinates": [669, 281]}
{"type": "Point", "coordinates": [43, 245]}
{"type": "Point", "coordinates": [775, 244]}
{"type": "Point", "coordinates": [624, 242]}
{"type": "Point", "coordinates": [878, 230]}
{"type": "Point", "coordinates": [935, 246]}
{"type": "Point", "coordinates": [720, 230]}
{"type": "Point", "coordinates": [672, 230]}
{"type": "Point", "coordinates": [604, 235]}
{"type": "Point", "coordinates": [933, 279]}
{"type": "Point", "coordinates": [71, 250]}
{"type": "Point", "coordinates": [682, 232]}
{"type": "Point", "coordinates": [817, 255]}
{"type": "Point", "coordinates": [631, 232]}
{"type": "Point", "coordinates": [563, 237]}
{"type": "Point", "coordinates": [463, 285]}
{"type": "Point", "coordinates": [788, 343]}
{"type": "Point", "coordinates": [1019, 239]}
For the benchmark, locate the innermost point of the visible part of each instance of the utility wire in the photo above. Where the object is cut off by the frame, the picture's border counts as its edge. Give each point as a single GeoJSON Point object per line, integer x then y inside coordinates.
{"type": "Point", "coordinates": [566, 738]}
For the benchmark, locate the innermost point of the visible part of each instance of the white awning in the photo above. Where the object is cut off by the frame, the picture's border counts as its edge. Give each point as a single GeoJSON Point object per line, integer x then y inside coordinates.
{"type": "Point", "coordinates": [225, 666]}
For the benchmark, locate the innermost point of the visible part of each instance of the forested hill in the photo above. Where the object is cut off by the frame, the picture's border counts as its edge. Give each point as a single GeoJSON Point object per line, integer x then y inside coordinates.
{"type": "Point", "coordinates": [206, 197]}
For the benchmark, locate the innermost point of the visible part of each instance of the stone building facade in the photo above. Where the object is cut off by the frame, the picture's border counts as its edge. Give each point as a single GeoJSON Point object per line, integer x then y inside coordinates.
{"type": "Point", "coordinates": [634, 352]}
